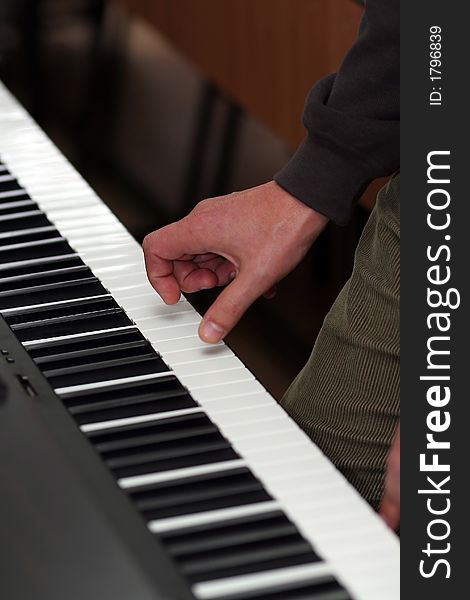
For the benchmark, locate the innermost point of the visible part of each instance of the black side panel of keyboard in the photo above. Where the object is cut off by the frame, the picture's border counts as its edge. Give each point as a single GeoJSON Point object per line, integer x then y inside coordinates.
{"type": "Point", "coordinates": [82, 536]}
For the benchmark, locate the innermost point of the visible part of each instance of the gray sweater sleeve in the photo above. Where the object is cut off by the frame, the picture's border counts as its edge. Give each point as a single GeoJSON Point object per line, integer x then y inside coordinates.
{"type": "Point", "coordinates": [352, 119]}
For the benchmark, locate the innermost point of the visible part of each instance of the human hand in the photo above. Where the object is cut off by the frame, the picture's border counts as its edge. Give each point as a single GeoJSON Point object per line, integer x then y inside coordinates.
{"type": "Point", "coordinates": [247, 241]}
{"type": "Point", "coordinates": [390, 507]}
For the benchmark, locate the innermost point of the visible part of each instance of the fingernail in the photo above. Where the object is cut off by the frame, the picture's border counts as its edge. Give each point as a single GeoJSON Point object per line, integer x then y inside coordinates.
{"type": "Point", "coordinates": [211, 332]}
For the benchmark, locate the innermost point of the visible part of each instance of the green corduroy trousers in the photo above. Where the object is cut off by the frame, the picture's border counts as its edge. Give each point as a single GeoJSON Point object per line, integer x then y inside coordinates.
{"type": "Point", "coordinates": [346, 398]}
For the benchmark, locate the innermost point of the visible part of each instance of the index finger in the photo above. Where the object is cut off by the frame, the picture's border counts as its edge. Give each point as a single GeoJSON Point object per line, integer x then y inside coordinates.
{"type": "Point", "coordinates": [160, 274]}
{"type": "Point", "coordinates": [173, 242]}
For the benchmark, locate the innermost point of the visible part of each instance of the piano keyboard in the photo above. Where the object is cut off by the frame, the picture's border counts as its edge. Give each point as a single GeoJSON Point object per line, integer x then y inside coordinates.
{"type": "Point", "coordinates": [246, 506]}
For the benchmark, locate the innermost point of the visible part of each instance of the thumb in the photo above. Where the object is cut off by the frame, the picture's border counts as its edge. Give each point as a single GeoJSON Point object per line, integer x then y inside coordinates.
{"type": "Point", "coordinates": [229, 307]}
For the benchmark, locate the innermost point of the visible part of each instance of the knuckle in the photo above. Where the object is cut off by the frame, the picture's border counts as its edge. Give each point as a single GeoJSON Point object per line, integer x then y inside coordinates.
{"type": "Point", "coordinates": [149, 240]}
{"type": "Point", "coordinates": [201, 206]}
{"type": "Point", "coordinates": [207, 205]}
{"type": "Point", "coordinates": [146, 241]}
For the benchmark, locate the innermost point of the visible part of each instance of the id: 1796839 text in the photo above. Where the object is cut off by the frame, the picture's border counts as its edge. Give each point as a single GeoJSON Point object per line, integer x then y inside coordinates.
{"type": "Point", "coordinates": [435, 65]}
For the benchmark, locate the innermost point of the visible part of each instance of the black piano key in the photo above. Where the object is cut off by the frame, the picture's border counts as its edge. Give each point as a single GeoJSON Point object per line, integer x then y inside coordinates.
{"type": "Point", "coordinates": [92, 356]}
{"type": "Point", "coordinates": [325, 587]}
{"type": "Point", "coordinates": [66, 308]}
{"type": "Point", "coordinates": [214, 502]}
{"type": "Point", "coordinates": [61, 326]}
{"type": "Point", "coordinates": [30, 235]}
{"type": "Point", "coordinates": [125, 438]}
{"type": "Point", "coordinates": [172, 456]}
{"type": "Point", "coordinates": [169, 456]}
{"type": "Point", "coordinates": [39, 266]}
{"type": "Point", "coordinates": [8, 194]}
{"type": "Point", "coordinates": [191, 495]}
{"type": "Point", "coordinates": [89, 342]}
{"type": "Point", "coordinates": [164, 393]}
{"type": "Point", "coordinates": [23, 220]}
{"type": "Point", "coordinates": [161, 395]}
{"type": "Point", "coordinates": [17, 206]}
{"type": "Point", "coordinates": [106, 371]}
{"type": "Point", "coordinates": [18, 282]}
{"type": "Point", "coordinates": [34, 250]}
{"type": "Point", "coordinates": [8, 182]}
{"type": "Point", "coordinates": [161, 445]}
{"type": "Point", "coordinates": [247, 558]}
{"type": "Point", "coordinates": [52, 292]}
{"type": "Point", "coordinates": [113, 391]}
{"type": "Point", "coordinates": [121, 409]}
{"type": "Point", "coordinates": [233, 532]}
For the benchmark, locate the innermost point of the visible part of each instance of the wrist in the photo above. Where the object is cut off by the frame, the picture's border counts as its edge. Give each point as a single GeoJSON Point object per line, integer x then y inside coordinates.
{"type": "Point", "coordinates": [309, 220]}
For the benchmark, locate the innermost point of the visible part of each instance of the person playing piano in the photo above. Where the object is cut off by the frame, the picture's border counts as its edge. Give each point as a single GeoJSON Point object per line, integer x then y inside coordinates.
{"type": "Point", "coordinates": [347, 396]}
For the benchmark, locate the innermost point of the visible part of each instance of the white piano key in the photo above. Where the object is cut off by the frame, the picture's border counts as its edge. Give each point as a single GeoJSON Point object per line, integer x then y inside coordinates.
{"type": "Point", "coordinates": [201, 354]}
{"type": "Point", "coordinates": [265, 448]}
{"type": "Point", "coordinates": [80, 226]}
{"type": "Point", "coordinates": [216, 378]}
{"type": "Point", "coordinates": [121, 285]}
{"type": "Point", "coordinates": [102, 239]}
{"type": "Point", "coordinates": [125, 291]}
{"type": "Point", "coordinates": [336, 536]}
{"type": "Point", "coordinates": [66, 214]}
{"type": "Point", "coordinates": [53, 199]}
{"type": "Point", "coordinates": [114, 273]}
{"type": "Point", "coordinates": [52, 190]}
{"type": "Point", "coordinates": [203, 367]}
{"type": "Point", "coordinates": [294, 467]}
{"type": "Point", "coordinates": [149, 478]}
{"type": "Point", "coordinates": [251, 439]}
{"type": "Point", "coordinates": [329, 487]}
{"type": "Point", "coordinates": [157, 310]}
{"type": "Point", "coordinates": [213, 516]}
{"type": "Point", "coordinates": [240, 402]}
{"type": "Point", "coordinates": [171, 333]}
{"type": "Point", "coordinates": [209, 393]}
{"type": "Point", "coordinates": [93, 246]}
{"type": "Point", "coordinates": [186, 345]}
{"type": "Point", "coordinates": [117, 251]}
{"type": "Point", "coordinates": [148, 300]}
{"type": "Point", "coordinates": [220, 588]}
{"type": "Point", "coordinates": [141, 300]}
{"type": "Point", "coordinates": [317, 518]}
{"type": "Point", "coordinates": [130, 295]}
{"type": "Point", "coordinates": [233, 415]}
{"type": "Point", "coordinates": [174, 320]}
